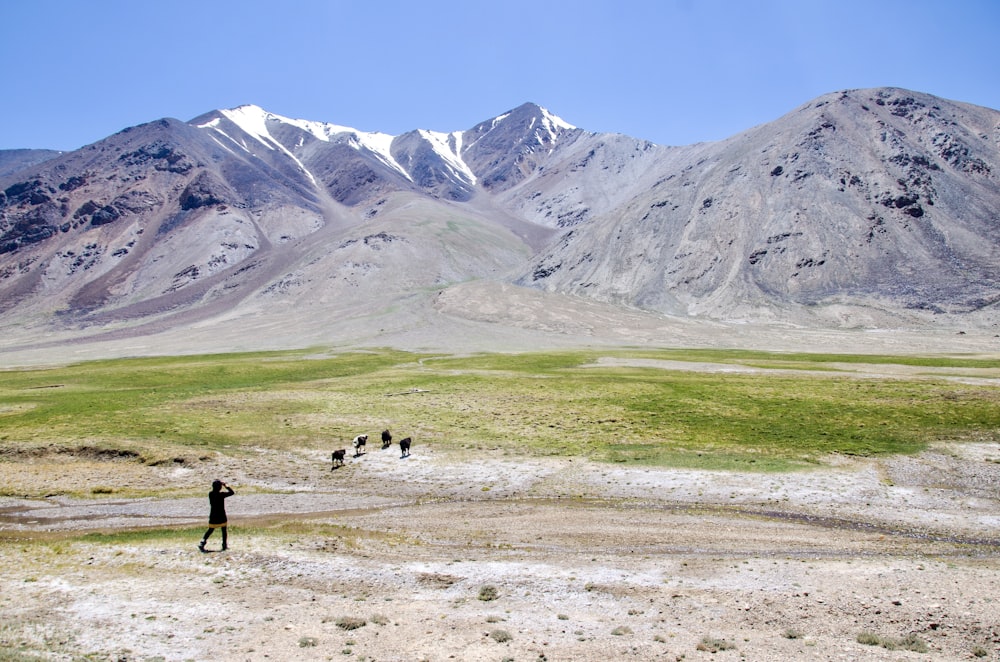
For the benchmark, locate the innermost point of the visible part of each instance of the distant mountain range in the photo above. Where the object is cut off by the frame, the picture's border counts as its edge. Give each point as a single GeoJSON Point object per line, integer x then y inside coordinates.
{"type": "Point", "coordinates": [13, 160]}
{"type": "Point", "coordinates": [875, 208]}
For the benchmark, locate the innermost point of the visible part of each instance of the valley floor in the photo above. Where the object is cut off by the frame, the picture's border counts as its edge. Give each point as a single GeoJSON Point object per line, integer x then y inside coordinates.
{"type": "Point", "coordinates": [484, 556]}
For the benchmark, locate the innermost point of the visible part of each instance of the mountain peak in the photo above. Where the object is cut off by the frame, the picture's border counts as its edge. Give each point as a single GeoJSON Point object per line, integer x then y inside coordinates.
{"type": "Point", "coordinates": [824, 217]}
{"type": "Point", "coordinates": [544, 115]}
{"type": "Point", "coordinates": [510, 146]}
{"type": "Point", "coordinates": [254, 120]}
{"type": "Point", "coordinates": [529, 116]}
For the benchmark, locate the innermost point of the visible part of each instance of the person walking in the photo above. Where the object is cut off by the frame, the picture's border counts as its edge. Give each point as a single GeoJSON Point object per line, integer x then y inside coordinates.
{"type": "Point", "coordinates": [217, 513]}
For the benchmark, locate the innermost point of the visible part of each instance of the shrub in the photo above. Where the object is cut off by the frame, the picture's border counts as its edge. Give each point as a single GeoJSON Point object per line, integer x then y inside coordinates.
{"type": "Point", "coordinates": [488, 593]}
{"type": "Point", "coordinates": [870, 639]}
{"type": "Point", "coordinates": [713, 645]}
{"type": "Point", "coordinates": [500, 636]}
{"type": "Point", "coordinates": [910, 642]}
{"type": "Point", "coordinates": [350, 623]}
{"type": "Point", "coordinates": [308, 642]}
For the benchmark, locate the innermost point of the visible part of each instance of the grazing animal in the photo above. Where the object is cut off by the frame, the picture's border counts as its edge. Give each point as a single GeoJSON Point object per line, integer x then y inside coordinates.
{"type": "Point", "coordinates": [386, 439]}
{"type": "Point", "coordinates": [404, 446]}
{"type": "Point", "coordinates": [359, 443]}
{"type": "Point", "coordinates": [338, 458]}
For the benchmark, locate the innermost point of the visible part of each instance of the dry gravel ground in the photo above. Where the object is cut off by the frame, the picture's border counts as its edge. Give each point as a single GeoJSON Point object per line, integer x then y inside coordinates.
{"type": "Point", "coordinates": [588, 561]}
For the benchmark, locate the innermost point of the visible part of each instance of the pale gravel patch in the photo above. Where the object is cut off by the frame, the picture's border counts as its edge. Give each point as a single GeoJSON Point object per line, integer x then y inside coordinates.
{"type": "Point", "coordinates": [577, 551]}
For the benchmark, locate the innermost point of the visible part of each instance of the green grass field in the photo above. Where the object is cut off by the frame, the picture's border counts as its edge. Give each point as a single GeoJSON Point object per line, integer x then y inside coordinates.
{"type": "Point", "coordinates": [555, 403]}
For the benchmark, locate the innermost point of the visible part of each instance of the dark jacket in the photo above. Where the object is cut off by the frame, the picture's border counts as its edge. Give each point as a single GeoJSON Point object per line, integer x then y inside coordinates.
{"type": "Point", "coordinates": [217, 501]}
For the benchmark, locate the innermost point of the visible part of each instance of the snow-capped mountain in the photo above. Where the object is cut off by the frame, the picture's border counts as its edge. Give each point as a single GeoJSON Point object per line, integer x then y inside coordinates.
{"type": "Point", "coordinates": [253, 126]}
{"type": "Point", "coordinates": [863, 208]}
{"type": "Point", "coordinates": [442, 164]}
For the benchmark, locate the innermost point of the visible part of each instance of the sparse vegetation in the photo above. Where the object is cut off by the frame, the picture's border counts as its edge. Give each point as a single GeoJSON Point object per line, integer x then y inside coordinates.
{"type": "Point", "coordinates": [910, 642]}
{"type": "Point", "coordinates": [500, 636]}
{"type": "Point", "coordinates": [350, 623]}
{"type": "Point", "coordinates": [175, 409]}
{"type": "Point", "coordinates": [273, 553]}
{"type": "Point", "coordinates": [14, 655]}
{"type": "Point", "coordinates": [713, 645]}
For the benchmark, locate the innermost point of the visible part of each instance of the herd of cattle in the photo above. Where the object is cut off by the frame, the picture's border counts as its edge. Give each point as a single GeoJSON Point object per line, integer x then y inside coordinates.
{"type": "Point", "coordinates": [361, 440]}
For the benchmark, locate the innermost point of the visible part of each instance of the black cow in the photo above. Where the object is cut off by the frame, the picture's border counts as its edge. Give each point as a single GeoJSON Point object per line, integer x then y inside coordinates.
{"type": "Point", "coordinates": [359, 443]}
{"type": "Point", "coordinates": [404, 446]}
{"type": "Point", "coordinates": [338, 458]}
{"type": "Point", "coordinates": [386, 439]}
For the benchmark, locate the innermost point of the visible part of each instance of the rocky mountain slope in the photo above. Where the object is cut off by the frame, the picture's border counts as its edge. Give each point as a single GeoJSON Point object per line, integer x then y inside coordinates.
{"type": "Point", "coordinates": [865, 208]}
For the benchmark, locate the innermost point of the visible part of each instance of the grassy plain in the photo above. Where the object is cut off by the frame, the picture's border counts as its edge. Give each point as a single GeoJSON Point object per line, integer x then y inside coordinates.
{"type": "Point", "coordinates": [489, 539]}
{"type": "Point", "coordinates": [790, 410]}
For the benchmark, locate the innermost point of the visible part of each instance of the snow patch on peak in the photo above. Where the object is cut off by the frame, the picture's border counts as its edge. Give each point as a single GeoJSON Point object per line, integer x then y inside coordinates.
{"type": "Point", "coordinates": [544, 125]}
{"type": "Point", "coordinates": [549, 126]}
{"type": "Point", "coordinates": [253, 120]}
{"type": "Point", "coordinates": [374, 141]}
{"type": "Point", "coordinates": [555, 121]}
{"type": "Point", "coordinates": [378, 144]}
{"type": "Point", "coordinates": [257, 123]}
{"type": "Point", "coordinates": [449, 147]}
{"type": "Point", "coordinates": [498, 119]}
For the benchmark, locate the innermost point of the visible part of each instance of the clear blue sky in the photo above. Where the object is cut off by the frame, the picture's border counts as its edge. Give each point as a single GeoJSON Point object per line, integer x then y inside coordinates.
{"type": "Point", "coordinates": [671, 71]}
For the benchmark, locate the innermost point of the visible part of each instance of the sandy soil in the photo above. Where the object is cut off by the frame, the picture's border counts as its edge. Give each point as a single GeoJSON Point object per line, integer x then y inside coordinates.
{"type": "Point", "coordinates": [587, 561]}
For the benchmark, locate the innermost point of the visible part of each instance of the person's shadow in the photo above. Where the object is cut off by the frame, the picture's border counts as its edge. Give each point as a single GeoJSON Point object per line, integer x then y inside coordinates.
{"type": "Point", "coordinates": [205, 550]}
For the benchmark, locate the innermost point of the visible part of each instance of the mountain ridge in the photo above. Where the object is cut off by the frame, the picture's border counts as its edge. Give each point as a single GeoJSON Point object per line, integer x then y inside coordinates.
{"type": "Point", "coordinates": [859, 209]}
{"type": "Point", "coordinates": [895, 192]}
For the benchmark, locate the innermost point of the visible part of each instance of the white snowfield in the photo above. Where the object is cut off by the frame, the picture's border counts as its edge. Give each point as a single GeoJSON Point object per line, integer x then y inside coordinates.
{"type": "Point", "coordinates": [255, 122]}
